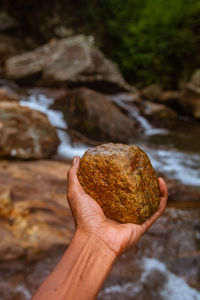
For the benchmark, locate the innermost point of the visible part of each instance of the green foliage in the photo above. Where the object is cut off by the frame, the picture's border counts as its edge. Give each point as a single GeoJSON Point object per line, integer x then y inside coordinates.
{"type": "Point", "coordinates": [151, 40]}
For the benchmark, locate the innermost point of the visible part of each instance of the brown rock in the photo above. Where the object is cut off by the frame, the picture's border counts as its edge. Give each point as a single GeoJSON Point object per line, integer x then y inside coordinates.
{"type": "Point", "coordinates": [190, 100]}
{"type": "Point", "coordinates": [25, 133]}
{"type": "Point", "coordinates": [152, 92]}
{"type": "Point", "coordinates": [93, 115]}
{"type": "Point", "coordinates": [34, 215]}
{"type": "Point", "coordinates": [159, 114]}
{"type": "Point", "coordinates": [121, 179]}
{"type": "Point", "coordinates": [70, 60]}
{"type": "Point", "coordinates": [8, 96]}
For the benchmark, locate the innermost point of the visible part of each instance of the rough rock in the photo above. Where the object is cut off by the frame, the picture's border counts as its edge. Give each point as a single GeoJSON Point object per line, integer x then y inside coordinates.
{"type": "Point", "coordinates": [159, 114]}
{"type": "Point", "coordinates": [6, 95]}
{"type": "Point", "coordinates": [34, 215]}
{"type": "Point", "coordinates": [93, 115]}
{"type": "Point", "coordinates": [190, 97]}
{"type": "Point", "coordinates": [195, 79]}
{"type": "Point", "coordinates": [73, 60]}
{"type": "Point", "coordinates": [9, 46]}
{"type": "Point", "coordinates": [122, 180]}
{"type": "Point", "coordinates": [170, 98]}
{"type": "Point", "coordinates": [25, 133]}
{"type": "Point", "coordinates": [6, 21]}
{"type": "Point", "coordinates": [152, 92]}
{"type": "Point", "coordinates": [190, 101]}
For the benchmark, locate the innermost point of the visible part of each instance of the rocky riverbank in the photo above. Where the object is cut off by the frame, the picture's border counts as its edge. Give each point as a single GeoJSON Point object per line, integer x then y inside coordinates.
{"type": "Point", "coordinates": [66, 97]}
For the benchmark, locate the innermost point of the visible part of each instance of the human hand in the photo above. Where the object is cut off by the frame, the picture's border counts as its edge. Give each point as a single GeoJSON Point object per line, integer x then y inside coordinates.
{"type": "Point", "coordinates": [91, 221]}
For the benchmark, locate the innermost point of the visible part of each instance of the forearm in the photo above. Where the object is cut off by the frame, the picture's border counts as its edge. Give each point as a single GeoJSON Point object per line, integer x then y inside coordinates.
{"type": "Point", "coordinates": [81, 271]}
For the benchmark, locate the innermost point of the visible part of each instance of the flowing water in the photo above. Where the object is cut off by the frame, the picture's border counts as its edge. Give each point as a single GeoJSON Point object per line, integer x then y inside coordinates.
{"type": "Point", "coordinates": [175, 153]}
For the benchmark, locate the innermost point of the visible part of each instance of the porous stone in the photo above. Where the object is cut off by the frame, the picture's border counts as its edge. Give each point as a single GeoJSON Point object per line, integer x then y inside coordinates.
{"type": "Point", "coordinates": [122, 180]}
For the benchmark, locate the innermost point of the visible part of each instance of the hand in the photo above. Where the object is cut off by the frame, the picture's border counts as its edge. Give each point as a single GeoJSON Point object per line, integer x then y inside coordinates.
{"type": "Point", "coordinates": [91, 221]}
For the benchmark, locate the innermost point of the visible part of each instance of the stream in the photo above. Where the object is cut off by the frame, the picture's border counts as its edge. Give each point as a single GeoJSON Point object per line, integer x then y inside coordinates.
{"type": "Point", "coordinates": [175, 153]}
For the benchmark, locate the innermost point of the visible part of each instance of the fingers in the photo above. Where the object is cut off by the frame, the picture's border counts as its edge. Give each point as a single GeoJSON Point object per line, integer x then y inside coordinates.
{"type": "Point", "coordinates": [73, 185]}
{"type": "Point", "coordinates": [163, 201]}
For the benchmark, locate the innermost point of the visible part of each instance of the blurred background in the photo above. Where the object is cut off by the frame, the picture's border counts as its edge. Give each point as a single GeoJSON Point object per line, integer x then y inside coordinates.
{"type": "Point", "coordinates": [75, 74]}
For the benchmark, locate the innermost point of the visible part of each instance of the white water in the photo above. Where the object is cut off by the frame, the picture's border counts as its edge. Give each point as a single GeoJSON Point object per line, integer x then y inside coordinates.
{"type": "Point", "coordinates": [123, 101]}
{"type": "Point", "coordinates": [179, 165]}
{"type": "Point", "coordinates": [175, 288]}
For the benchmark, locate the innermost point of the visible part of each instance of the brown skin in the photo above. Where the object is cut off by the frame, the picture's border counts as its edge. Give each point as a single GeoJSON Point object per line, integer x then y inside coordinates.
{"type": "Point", "coordinates": [96, 245]}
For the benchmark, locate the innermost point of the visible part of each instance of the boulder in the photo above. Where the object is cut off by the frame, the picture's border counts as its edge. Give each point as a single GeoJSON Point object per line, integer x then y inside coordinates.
{"type": "Point", "coordinates": [190, 101]}
{"type": "Point", "coordinates": [152, 92]}
{"type": "Point", "coordinates": [34, 217]}
{"type": "Point", "coordinates": [93, 115]}
{"type": "Point", "coordinates": [25, 133]}
{"type": "Point", "coordinates": [6, 21]}
{"type": "Point", "coordinates": [170, 98]}
{"type": "Point", "coordinates": [122, 180]}
{"type": "Point", "coordinates": [159, 114]}
{"type": "Point", "coordinates": [73, 60]}
{"type": "Point", "coordinates": [9, 46]}
{"type": "Point", "coordinates": [190, 97]}
{"type": "Point", "coordinates": [7, 95]}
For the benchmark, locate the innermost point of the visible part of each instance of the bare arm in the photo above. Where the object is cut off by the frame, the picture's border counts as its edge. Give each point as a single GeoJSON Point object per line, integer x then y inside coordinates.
{"type": "Point", "coordinates": [96, 244]}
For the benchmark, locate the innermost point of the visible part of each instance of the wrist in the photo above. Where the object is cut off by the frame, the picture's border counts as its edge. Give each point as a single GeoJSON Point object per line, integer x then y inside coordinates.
{"type": "Point", "coordinates": [94, 243]}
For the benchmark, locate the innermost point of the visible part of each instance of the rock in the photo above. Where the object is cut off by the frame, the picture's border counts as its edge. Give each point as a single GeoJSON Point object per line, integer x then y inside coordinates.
{"type": "Point", "coordinates": [6, 95]}
{"type": "Point", "coordinates": [190, 101]}
{"type": "Point", "coordinates": [170, 98]}
{"type": "Point", "coordinates": [6, 21]}
{"type": "Point", "coordinates": [93, 115]}
{"type": "Point", "coordinates": [190, 97]}
{"type": "Point", "coordinates": [9, 46]}
{"type": "Point", "coordinates": [159, 114]}
{"type": "Point", "coordinates": [152, 92]}
{"type": "Point", "coordinates": [195, 80]}
{"type": "Point", "coordinates": [74, 60]}
{"type": "Point", "coordinates": [25, 133]}
{"type": "Point", "coordinates": [34, 215]}
{"type": "Point", "coordinates": [122, 180]}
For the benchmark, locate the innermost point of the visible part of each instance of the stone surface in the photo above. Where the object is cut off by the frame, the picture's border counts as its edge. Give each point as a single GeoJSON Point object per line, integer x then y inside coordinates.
{"type": "Point", "coordinates": [152, 92]}
{"type": "Point", "coordinates": [9, 46]}
{"type": "Point", "coordinates": [122, 180]}
{"type": "Point", "coordinates": [93, 115]}
{"type": "Point", "coordinates": [6, 21]}
{"type": "Point", "coordinates": [6, 95]}
{"type": "Point", "coordinates": [72, 60]}
{"type": "Point", "coordinates": [25, 133]}
{"type": "Point", "coordinates": [159, 114]}
{"type": "Point", "coordinates": [34, 215]}
{"type": "Point", "coordinates": [190, 101]}
{"type": "Point", "coordinates": [190, 97]}
{"type": "Point", "coordinates": [170, 98]}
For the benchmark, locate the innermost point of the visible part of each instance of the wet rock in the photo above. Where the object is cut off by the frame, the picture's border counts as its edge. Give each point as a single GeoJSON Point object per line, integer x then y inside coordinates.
{"type": "Point", "coordinates": [190, 97]}
{"type": "Point", "coordinates": [190, 101]}
{"type": "Point", "coordinates": [159, 114]}
{"type": "Point", "coordinates": [6, 21]}
{"type": "Point", "coordinates": [195, 79]}
{"type": "Point", "coordinates": [152, 92]}
{"type": "Point", "coordinates": [122, 180]}
{"type": "Point", "coordinates": [9, 46]}
{"type": "Point", "coordinates": [170, 98]}
{"type": "Point", "coordinates": [34, 215]}
{"type": "Point", "coordinates": [93, 115]}
{"type": "Point", "coordinates": [25, 133]}
{"type": "Point", "coordinates": [6, 95]}
{"type": "Point", "coordinates": [74, 60]}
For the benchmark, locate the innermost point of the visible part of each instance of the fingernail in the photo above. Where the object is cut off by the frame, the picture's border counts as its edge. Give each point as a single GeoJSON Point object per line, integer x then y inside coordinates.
{"type": "Point", "coordinates": [75, 159]}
